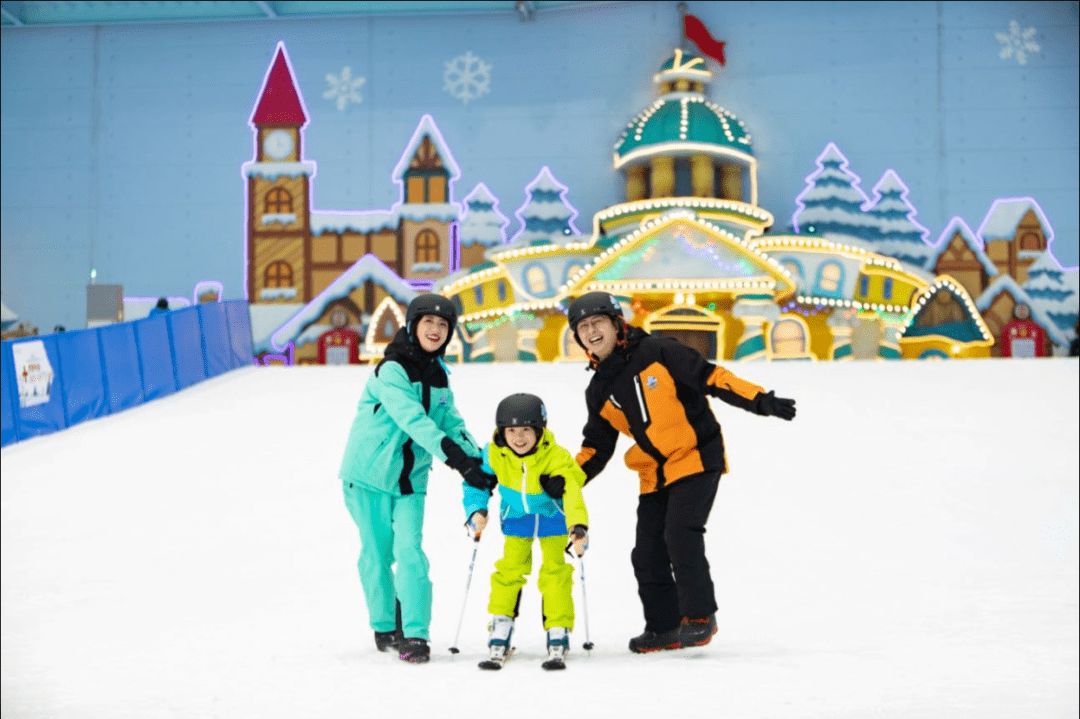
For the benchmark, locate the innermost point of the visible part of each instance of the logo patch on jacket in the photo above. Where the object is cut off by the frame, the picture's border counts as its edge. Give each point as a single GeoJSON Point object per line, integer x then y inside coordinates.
{"type": "Point", "coordinates": [650, 382]}
{"type": "Point", "coordinates": [442, 399]}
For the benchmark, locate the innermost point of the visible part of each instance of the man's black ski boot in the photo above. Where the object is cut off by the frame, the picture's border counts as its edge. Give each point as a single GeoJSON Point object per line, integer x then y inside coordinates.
{"type": "Point", "coordinates": [414, 650]}
{"type": "Point", "coordinates": [650, 641]}
{"type": "Point", "coordinates": [697, 632]}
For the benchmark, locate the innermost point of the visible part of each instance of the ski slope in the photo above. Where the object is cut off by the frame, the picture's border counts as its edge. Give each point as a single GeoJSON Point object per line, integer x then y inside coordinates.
{"type": "Point", "coordinates": [907, 547]}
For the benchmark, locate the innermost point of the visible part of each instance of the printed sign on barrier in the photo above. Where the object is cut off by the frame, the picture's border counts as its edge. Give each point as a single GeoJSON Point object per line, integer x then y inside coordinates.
{"type": "Point", "coordinates": [33, 372]}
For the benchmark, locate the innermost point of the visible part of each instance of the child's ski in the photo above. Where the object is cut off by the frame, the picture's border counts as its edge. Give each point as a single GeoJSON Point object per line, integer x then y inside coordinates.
{"type": "Point", "coordinates": [556, 658]}
{"type": "Point", "coordinates": [499, 656]}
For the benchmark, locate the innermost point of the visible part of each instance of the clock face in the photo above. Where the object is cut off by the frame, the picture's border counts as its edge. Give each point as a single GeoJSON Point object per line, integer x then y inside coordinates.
{"type": "Point", "coordinates": [277, 144]}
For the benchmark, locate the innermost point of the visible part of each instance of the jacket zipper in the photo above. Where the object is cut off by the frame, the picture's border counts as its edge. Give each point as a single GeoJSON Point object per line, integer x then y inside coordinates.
{"type": "Point", "coordinates": [641, 401]}
{"type": "Point", "coordinates": [524, 493]}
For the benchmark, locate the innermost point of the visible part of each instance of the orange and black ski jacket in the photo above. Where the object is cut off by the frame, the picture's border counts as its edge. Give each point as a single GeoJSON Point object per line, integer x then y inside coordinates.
{"type": "Point", "coordinates": [655, 390]}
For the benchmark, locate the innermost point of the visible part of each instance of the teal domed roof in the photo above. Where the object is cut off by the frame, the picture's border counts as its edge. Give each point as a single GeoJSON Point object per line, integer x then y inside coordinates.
{"type": "Point", "coordinates": [687, 122]}
{"type": "Point", "coordinates": [683, 65]}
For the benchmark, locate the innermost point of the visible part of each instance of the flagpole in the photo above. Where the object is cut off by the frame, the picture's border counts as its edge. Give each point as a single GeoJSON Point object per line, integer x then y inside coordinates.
{"type": "Point", "coordinates": [681, 7]}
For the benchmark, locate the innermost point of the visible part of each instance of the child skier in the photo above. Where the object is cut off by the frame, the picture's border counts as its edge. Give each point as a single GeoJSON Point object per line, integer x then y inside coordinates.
{"type": "Point", "coordinates": [540, 491]}
{"type": "Point", "coordinates": [405, 417]}
{"type": "Point", "coordinates": [655, 390]}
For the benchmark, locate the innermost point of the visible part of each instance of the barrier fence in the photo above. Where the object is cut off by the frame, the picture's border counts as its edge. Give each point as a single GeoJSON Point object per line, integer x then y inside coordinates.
{"type": "Point", "coordinates": [55, 381]}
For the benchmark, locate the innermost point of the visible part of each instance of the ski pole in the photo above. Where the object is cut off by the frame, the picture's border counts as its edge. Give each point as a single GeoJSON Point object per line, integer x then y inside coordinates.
{"type": "Point", "coordinates": [588, 645]}
{"type": "Point", "coordinates": [465, 599]}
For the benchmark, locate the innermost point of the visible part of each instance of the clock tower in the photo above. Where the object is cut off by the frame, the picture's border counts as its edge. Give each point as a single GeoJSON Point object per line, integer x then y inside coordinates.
{"type": "Point", "coordinates": [278, 192]}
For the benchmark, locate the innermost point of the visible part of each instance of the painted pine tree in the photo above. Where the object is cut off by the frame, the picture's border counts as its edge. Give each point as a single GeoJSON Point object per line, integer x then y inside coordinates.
{"type": "Point", "coordinates": [832, 203]}
{"type": "Point", "coordinates": [546, 215]}
{"type": "Point", "coordinates": [1052, 292]}
{"type": "Point", "coordinates": [897, 234]}
{"type": "Point", "coordinates": [482, 222]}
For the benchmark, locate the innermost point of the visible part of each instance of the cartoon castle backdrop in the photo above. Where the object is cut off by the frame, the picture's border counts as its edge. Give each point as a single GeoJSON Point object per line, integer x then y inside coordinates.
{"type": "Point", "coordinates": [689, 251]}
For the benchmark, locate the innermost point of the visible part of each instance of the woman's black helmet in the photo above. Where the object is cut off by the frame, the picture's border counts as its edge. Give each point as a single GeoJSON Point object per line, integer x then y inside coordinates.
{"type": "Point", "coordinates": [430, 304]}
{"type": "Point", "coordinates": [521, 410]}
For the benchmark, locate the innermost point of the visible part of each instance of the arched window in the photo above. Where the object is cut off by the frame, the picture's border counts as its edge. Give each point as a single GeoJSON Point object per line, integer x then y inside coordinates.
{"type": "Point", "coordinates": [572, 270]}
{"type": "Point", "coordinates": [478, 292]}
{"type": "Point", "coordinates": [788, 339]}
{"type": "Point", "coordinates": [887, 288]}
{"type": "Point", "coordinates": [794, 269]}
{"type": "Point", "coordinates": [830, 276]}
{"type": "Point", "coordinates": [278, 274]}
{"type": "Point", "coordinates": [1030, 241]}
{"type": "Point", "coordinates": [536, 280]}
{"type": "Point", "coordinates": [501, 286]}
{"type": "Point", "coordinates": [278, 202]}
{"type": "Point", "coordinates": [427, 246]}
{"type": "Point", "coordinates": [864, 285]}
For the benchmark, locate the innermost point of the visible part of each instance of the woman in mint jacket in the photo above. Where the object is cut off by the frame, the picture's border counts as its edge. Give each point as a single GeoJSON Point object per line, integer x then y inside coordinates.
{"type": "Point", "coordinates": [540, 492]}
{"type": "Point", "coordinates": [405, 417]}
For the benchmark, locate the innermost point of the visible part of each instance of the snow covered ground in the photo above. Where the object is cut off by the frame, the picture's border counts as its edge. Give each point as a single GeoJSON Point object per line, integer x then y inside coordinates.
{"type": "Point", "coordinates": [907, 547]}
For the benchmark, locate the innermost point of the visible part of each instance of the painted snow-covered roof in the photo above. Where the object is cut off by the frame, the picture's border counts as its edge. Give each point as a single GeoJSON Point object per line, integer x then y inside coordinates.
{"type": "Point", "coordinates": [359, 222]}
{"type": "Point", "coordinates": [420, 211]}
{"type": "Point", "coordinates": [368, 267]}
{"type": "Point", "coordinates": [682, 122]}
{"type": "Point", "coordinates": [958, 226]}
{"type": "Point", "coordinates": [273, 170]}
{"type": "Point", "coordinates": [426, 127]}
{"type": "Point", "coordinates": [1006, 283]}
{"type": "Point", "coordinates": [1004, 217]}
{"type": "Point", "coordinates": [266, 317]}
{"type": "Point", "coordinates": [374, 220]}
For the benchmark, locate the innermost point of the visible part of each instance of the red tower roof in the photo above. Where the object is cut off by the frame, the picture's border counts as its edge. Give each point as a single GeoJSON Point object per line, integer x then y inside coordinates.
{"type": "Point", "coordinates": [279, 102]}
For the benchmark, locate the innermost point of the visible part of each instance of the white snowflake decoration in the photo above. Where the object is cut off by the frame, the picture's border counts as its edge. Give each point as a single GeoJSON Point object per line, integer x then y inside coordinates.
{"type": "Point", "coordinates": [1017, 43]}
{"type": "Point", "coordinates": [344, 89]}
{"type": "Point", "coordinates": [467, 77]}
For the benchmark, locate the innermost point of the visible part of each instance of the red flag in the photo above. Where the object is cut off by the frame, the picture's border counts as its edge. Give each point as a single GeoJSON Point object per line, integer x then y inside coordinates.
{"type": "Point", "coordinates": [696, 31]}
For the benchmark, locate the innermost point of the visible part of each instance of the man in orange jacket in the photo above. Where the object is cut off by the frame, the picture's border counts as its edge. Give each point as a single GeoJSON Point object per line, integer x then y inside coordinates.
{"type": "Point", "coordinates": [655, 390]}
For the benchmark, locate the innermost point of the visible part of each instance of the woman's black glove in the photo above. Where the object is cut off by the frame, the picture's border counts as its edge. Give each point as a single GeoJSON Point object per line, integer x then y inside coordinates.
{"type": "Point", "coordinates": [553, 484]}
{"type": "Point", "coordinates": [468, 467]}
{"type": "Point", "coordinates": [769, 404]}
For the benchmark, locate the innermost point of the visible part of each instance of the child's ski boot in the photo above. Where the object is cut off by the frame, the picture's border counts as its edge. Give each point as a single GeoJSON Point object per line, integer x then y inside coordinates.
{"type": "Point", "coordinates": [558, 644]}
{"type": "Point", "coordinates": [499, 649]}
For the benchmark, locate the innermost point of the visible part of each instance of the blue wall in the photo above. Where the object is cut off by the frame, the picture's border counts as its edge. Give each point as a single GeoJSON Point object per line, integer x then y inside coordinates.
{"type": "Point", "coordinates": [122, 146]}
{"type": "Point", "coordinates": [109, 369]}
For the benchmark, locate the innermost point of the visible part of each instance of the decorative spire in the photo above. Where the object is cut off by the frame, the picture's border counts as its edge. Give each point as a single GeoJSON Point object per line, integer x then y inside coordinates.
{"type": "Point", "coordinates": [279, 100]}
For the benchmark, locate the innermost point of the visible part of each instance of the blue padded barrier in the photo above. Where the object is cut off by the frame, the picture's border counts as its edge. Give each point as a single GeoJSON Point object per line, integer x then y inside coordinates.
{"type": "Point", "coordinates": [83, 377]}
{"type": "Point", "coordinates": [123, 377]}
{"type": "Point", "coordinates": [240, 332]}
{"type": "Point", "coordinates": [155, 356]}
{"type": "Point", "coordinates": [187, 346]}
{"type": "Point", "coordinates": [48, 416]}
{"type": "Point", "coordinates": [217, 344]}
{"type": "Point", "coordinates": [7, 385]}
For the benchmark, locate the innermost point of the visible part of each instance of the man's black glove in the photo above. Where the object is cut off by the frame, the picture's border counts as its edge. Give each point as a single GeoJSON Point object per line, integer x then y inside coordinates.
{"type": "Point", "coordinates": [769, 404]}
{"type": "Point", "coordinates": [553, 484]}
{"type": "Point", "coordinates": [469, 467]}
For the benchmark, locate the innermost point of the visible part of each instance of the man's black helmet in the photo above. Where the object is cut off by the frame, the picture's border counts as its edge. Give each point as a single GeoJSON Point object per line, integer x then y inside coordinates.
{"type": "Point", "coordinates": [430, 304]}
{"type": "Point", "coordinates": [593, 303]}
{"type": "Point", "coordinates": [521, 410]}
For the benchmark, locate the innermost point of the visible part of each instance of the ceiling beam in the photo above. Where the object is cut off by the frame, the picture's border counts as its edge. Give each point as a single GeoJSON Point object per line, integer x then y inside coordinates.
{"type": "Point", "coordinates": [9, 16]}
{"type": "Point", "coordinates": [265, 7]}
